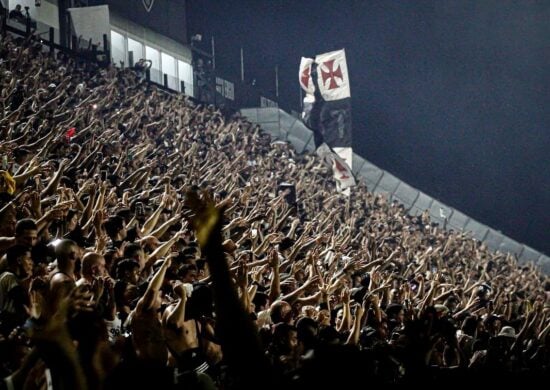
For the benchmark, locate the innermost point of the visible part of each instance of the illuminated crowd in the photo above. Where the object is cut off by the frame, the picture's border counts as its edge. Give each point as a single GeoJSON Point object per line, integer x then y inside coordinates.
{"type": "Point", "coordinates": [146, 242]}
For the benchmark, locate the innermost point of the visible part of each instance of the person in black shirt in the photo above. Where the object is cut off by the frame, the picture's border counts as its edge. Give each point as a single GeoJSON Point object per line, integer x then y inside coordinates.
{"type": "Point", "coordinates": [17, 14]}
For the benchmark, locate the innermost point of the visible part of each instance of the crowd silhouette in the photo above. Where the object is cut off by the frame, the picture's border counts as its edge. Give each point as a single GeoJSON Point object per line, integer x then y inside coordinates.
{"type": "Point", "coordinates": [146, 240]}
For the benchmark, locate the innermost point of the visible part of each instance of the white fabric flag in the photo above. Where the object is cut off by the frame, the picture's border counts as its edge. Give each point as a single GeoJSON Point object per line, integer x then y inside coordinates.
{"type": "Point", "coordinates": [305, 76]}
{"type": "Point", "coordinates": [340, 170]}
{"type": "Point", "coordinates": [91, 23]}
{"type": "Point", "coordinates": [345, 154]}
{"type": "Point", "coordinates": [306, 82]}
{"type": "Point", "coordinates": [332, 75]}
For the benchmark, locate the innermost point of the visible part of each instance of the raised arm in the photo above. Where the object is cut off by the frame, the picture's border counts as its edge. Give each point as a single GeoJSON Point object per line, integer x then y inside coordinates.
{"type": "Point", "coordinates": [147, 300]}
{"type": "Point", "coordinates": [275, 287]}
{"type": "Point", "coordinates": [176, 316]}
{"type": "Point", "coordinates": [237, 332]}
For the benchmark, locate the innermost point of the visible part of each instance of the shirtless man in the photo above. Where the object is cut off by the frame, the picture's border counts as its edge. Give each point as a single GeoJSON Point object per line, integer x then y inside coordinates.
{"type": "Point", "coordinates": [189, 341]}
{"type": "Point", "coordinates": [63, 279]}
{"type": "Point", "coordinates": [182, 333]}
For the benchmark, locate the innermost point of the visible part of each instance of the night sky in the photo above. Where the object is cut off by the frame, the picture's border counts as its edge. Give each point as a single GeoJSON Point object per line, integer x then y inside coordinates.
{"type": "Point", "coordinates": [450, 96]}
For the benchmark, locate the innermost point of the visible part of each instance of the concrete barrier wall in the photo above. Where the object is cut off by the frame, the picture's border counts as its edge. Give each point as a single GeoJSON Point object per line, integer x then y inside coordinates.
{"type": "Point", "coordinates": [285, 127]}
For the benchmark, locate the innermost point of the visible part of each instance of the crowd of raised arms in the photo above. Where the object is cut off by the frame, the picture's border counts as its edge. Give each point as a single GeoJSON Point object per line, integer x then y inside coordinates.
{"type": "Point", "coordinates": [144, 244]}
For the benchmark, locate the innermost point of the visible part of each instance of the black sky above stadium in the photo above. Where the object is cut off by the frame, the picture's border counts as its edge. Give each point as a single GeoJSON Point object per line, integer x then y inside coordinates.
{"type": "Point", "coordinates": [450, 96]}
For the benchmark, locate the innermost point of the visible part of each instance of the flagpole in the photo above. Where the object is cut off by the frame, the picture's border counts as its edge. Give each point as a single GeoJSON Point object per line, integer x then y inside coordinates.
{"type": "Point", "coordinates": [277, 81]}
{"type": "Point", "coordinates": [213, 53]}
{"type": "Point", "coordinates": [242, 64]}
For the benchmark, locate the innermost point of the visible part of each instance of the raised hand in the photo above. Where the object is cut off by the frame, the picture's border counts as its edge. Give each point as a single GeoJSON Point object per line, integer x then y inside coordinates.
{"type": "Point", "coordinates": [205, 219]}
{"type": "Point", "coordinates": [98, 286]}
{"type": "Point", "coordinates": [179, 290]}
{"type": "Point", "coordinates": [345, 296]}
{"type": "Point", "coordinates": [241, 275]}
{"type": "Point", "coordinates": [273, 259]}
{"type": "Point", "coordinates": [312, 281]}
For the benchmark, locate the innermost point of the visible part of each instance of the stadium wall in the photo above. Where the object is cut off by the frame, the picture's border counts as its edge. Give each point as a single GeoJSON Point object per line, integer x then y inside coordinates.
{"type": "Point", "coordinates": [283, 126]}
{"type": "Point", "coordinates": [166, 17]}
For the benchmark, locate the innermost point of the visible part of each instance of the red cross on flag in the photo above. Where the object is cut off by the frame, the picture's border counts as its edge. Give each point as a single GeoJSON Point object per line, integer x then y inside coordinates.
{"type": "Point", "coordinates": [327, 112]}
{"type": "Point", "coordinates": [341, 171]}
{"type": "Point", "coordinates": [326, 108]}
{"type": "Point", "coordinates": [305, 76]}
{"type": "Point", "coordinates": [332, 75]}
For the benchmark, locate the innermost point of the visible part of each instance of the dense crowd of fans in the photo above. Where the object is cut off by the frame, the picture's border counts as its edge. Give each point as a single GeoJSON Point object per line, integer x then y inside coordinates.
{"type": "Point", "coordinates": [145, 242]}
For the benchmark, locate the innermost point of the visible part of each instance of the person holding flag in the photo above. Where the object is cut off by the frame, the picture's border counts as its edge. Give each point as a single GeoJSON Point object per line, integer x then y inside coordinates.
{"type": "Point", "coordinates": [327, 111]}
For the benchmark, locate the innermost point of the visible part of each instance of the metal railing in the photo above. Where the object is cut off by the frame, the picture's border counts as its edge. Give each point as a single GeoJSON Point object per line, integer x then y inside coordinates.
{"type": "Point", "coordinates": [37, 31]}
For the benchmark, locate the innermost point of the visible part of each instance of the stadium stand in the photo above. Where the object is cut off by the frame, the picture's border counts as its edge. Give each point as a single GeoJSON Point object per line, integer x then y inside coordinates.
{"type": "Point", "coordinates": [145, 243]}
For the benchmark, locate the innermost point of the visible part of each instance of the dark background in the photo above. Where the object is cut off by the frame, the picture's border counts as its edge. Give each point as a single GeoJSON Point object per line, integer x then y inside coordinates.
{"type": "Point", "coordinates": [450, 96]}
{"type": "Point", "coordinates": [167, 17]}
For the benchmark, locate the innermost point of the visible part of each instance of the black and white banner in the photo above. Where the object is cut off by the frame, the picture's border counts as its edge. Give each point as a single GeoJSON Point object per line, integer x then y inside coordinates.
{"type": "Point", "coordinates": [327, 111]}
{"type": "Point", "coordinates": [327, 103]}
